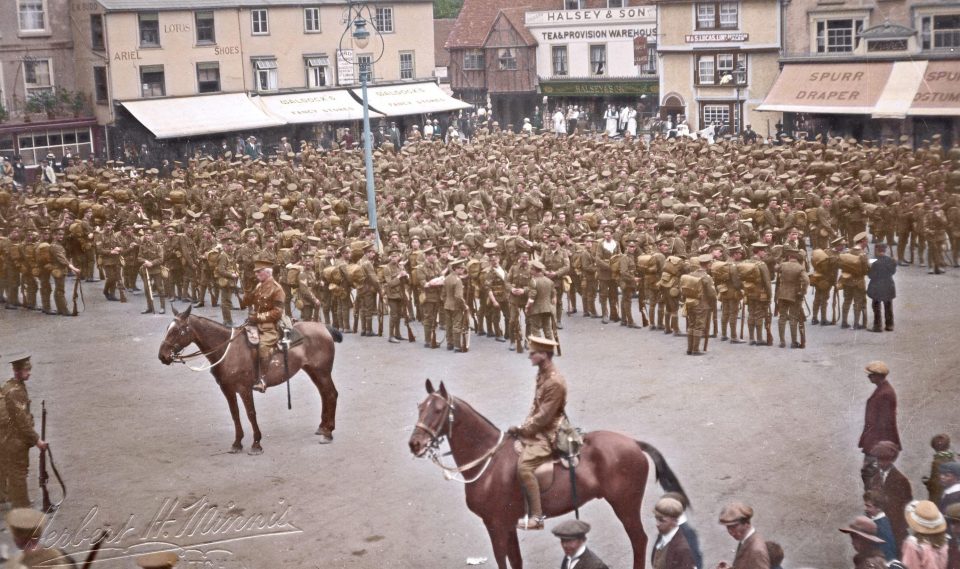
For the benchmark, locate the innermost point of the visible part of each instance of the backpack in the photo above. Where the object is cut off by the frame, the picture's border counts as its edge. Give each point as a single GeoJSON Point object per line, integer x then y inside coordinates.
{"type": "Point", "coordinates": [213, 257]}
{"type": "Point", "coordinates": [691, 286]}
{"type": "Point", "coordinates": [43, 254]}
{"type": "Point", "coordinates": [673, 266]}
{"type": "Point", "coordinates": [850, 263]}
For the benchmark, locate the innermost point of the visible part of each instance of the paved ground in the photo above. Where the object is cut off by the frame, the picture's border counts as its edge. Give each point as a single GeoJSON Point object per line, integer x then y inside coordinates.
{"type": "Point", "coordinates": [776, 428]}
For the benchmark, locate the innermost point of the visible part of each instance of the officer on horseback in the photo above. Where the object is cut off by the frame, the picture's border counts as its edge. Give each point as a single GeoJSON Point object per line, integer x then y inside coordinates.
{"type": "Point", "coordinates": [266, 303]}
{"type": "Point", "coordinates": [538, 433]}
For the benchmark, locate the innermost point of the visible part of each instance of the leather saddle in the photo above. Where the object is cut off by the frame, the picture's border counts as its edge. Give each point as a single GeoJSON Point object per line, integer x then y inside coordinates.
{"type": "Point", "coordinates": [290, 336]}
{"type": "Point", "coordinates": [546, 473]}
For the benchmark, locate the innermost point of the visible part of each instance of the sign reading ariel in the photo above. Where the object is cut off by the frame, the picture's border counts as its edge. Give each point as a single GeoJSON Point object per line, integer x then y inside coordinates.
{"type": "Point", "coordinates": [411, 99]}
{"type": "Point", "coordinates": [601, 88]}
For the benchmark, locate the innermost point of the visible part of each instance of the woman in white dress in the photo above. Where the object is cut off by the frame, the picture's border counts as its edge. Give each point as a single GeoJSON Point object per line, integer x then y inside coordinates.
{"type": "Point", "coordinates": [559, 122]}
{"type": "Point", "coordinates": [632, 122]}
{"type": "Point", "coordinates": [612, 119]}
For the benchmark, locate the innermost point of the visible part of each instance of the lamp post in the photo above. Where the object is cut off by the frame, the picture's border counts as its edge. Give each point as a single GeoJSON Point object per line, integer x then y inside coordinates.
{"type": "Point", "coordinates": [357, 26]}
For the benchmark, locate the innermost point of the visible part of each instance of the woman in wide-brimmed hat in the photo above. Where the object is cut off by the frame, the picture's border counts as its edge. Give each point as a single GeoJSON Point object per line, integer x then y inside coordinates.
{"type": "Point", "coordinates": [926, 548]}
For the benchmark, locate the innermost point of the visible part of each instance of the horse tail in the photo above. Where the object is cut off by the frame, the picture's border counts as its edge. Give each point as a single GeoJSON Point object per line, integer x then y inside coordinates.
{"type": "Point", "coordinates": [665, 476]}
{"type": "Point", "coordinates": [337, 335]}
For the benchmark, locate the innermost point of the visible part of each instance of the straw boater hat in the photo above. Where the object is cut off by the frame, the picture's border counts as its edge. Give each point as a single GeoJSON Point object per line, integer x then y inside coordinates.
{"type": "Point", "coordinates": [923, 517]}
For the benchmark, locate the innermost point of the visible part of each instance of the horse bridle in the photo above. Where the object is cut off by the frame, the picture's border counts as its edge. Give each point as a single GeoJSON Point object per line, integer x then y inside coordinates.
{"type": "Point", "coordinates": [177, 357]}
{"type": "Point", "coordinates": [437, 436]}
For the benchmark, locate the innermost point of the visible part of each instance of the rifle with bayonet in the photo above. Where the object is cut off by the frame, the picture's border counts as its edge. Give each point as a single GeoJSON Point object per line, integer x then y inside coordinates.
{"type": "Point", "coordinates": [46, 455]}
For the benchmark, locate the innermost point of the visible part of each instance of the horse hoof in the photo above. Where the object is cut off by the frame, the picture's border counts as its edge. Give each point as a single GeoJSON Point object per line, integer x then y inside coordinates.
{"type": "Point", "coordinates": [235, 450]}
{"type": "Point", "coordinates": [326, 439]}
{"type": "Point", "coordinates": [255, 451]}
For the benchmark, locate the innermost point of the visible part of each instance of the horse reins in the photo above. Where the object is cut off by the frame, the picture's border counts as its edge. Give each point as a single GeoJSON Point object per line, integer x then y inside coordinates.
{"type": "Point", "coordinates": [451, 473]}
{"type": "Point", "coordinates": [183, 359]}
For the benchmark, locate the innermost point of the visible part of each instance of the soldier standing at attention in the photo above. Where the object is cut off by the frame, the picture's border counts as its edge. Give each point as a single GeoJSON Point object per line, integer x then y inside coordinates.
{"type": "Point", "coordinates": [729, 290]}
{"type": "Point", "coordinates": [628, 284]}
{"type": "Point", "coordinates": [150, 258]}
{"type": "Point", "coordinates": [698, 308]}
{"type": "Point", "coordinates": [395, 279]}
{"type": "Point", "coordinates": [538, 433]}
{"type": "Point", "coordinates": [540, 302]}
{"type": "Point", "coordinates": [853, 283]}
{"type": "Point", "coordinates": [494, 282]}
{"type": "Point", "coordinates": [792, 286]}
{"type": "Point", "coordinates": [18, 435]}
{"type": "Point", "coordinates": [454, 304]}
{"type": "Point", "coordinates": [227, 273]}
{"type": "Point", "coordinates": [367, 293]}
{"type": "Point", "coordinates": [266, 303]}
{"type": "Point", "coordinates": [429, 270]}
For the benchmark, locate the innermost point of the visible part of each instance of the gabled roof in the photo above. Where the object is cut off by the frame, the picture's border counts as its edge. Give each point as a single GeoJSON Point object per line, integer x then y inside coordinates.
{"type": "Point", "coordinates": [516, 18]}
{"type": "Point", "coordinates": [477, 17]}
{"type": "Point", "coordinates": [441, 31]}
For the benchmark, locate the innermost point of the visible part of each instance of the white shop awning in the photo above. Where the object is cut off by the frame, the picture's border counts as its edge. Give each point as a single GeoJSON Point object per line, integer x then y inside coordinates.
{"type": "Point", "coordinates": [939, 92]}
{"type": "Point", "coordinates": [411, 99]}
{"type": "Point", "coordinates": [314, 107]}
{"type": "Point", "coordinates": [829, 88]}
{"type": "Point", "coordinates": [192, 116]}
{"type": "Point", "coordinates": [897, 96]}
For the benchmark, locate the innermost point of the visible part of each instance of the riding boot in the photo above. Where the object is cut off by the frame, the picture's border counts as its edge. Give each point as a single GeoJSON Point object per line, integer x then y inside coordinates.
{"type": "Point", "coordinates": [261, 384]}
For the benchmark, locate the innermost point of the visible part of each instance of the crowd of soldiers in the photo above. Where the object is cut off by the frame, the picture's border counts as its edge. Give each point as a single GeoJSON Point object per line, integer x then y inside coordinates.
{"type": "Point", "coordinates": [501, 237]}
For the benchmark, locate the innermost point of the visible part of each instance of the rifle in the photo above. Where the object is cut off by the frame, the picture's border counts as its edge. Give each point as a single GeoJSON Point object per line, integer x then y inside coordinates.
{"type": "Point", "coordinates": [380, 314]}
{"type": "Point", "coordinates": [767, 328]}
{"type": "Point", "coordinates": [45, 455]}
{"type": "Point", "coordinates": [466, 327]}
{"type": "Point", "coordinates": [78, 293]}
{"type": "Point", "coordinates": [88, 562]}
{"type": "Point", "coordinates": [556, 335]}
{"type": "Point", "coordinates": [356, 314]}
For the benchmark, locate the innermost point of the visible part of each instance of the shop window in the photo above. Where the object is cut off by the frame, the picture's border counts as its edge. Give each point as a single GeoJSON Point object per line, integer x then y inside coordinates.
{"type": "Point", "coordinates": [473, 60]}
{"type": "Point", "coordinates": [940, 32]}
{"type": "Point", "coordinates": [100, 90]}
{"type": "Point", "coordinates": [729, 68]}
{"type": "Point", "coordinates": [96, 32]}
{"type": "Point", "coordinates": [838, 36]}
{"type": "Point", "coordinates": [311, 20]}
{"type": "Point", "coordinates": [259, 24]}
{"type": "Point", "coordinates": [152, 82]}
{"type": "Point", "coordinates": [265, 74]}
{"type": "Point", "coordinates": [383, 20]}
{"type": "Point", "coordinates": [719, 114]}
{"type": "Point", "coordinates": [205, 28]}
{"type": "Point", "coordinates": [35, 147]}
{"type": "Point", "coordinates": [559, 59]}
{"type": "Point", "coordinates": [718, 16]}
{"type": "Point", "coordinates": [406, 65]}
{"type": "Point", "coordinates": [37, 77]}
{"type": "Point", "coordinates": [507, 59]}
{"type": "Point", "coordinates": [33, 17]}
{"type": "Point", "coordinates": [208, 77]}
{"type": "Point", "coordinates": [598, 60]}
{"type": "Point", "coordinates": [318, 69]}
{"type": "Point", "coordinates": [149, 29]}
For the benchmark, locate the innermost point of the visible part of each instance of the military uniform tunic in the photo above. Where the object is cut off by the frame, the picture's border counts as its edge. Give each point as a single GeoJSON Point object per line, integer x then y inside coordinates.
{"type": "Point", "coordinates": [17, 437]}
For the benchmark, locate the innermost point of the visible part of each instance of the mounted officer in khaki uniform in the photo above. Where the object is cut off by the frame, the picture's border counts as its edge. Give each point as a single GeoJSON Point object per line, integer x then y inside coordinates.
{"type": "Point", "coordinates": [266, 303]}
{"type": "Point", "coordinates": [538, 433]}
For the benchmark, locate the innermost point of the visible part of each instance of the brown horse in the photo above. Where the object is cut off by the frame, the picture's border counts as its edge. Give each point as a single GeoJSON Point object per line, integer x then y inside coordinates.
{"type": "Point", "coordinates": [612, 466]}
{"type": "Point", "coordinates": [232, 363]}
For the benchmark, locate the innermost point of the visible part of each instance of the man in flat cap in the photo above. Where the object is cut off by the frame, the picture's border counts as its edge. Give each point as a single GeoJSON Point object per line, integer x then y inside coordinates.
{"type": "Point", "coordinates": [893, 485]}
{"type": "Point", "coordinates": [26, 528]}
{"type": "Point", "coordinates": [538, 433]}
{"type": "Point", "coordinates": [17, 433]}
{"type": "Point", "coordinates": [265, 303]}
{"type": "Point", "coordinates": [880, 417]}
{"type": "Point", "coordinates": [751, 548]}
{"type": "Point", "coordinates": [671, 550]}
{"type": "Point", "coordinates": [573, 541]}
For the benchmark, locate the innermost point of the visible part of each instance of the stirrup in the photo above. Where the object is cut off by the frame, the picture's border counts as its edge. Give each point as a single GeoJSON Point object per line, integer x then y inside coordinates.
{"type": "Point", "coordinates": [528, 523]}
{"type": "Point", "coordinates": [260, 386]}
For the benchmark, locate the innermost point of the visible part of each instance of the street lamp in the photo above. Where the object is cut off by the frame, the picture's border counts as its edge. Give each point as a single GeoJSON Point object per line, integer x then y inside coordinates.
{"type": "Point", "coordinates": [361, 38]}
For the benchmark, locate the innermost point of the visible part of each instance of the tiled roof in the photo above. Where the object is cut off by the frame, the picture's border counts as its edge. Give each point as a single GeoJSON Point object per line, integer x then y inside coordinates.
{"type": "Point", "coordinates": [441, 31]}
{"type": "Point", "coordinates": [516, 19]}
{"type": "Point", "coordinates": [477, 16]}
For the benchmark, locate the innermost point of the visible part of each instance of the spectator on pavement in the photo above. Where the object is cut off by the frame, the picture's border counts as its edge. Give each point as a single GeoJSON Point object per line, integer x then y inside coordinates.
{"type": "Point", "coordinates": [893, 485]}
{"type": "Point", "coordinates": [882, 289]}
{"type": "Point", "coordinates": [873, 504]}
{"type": "Point", "coordinates": [671, 549]}
{"type": "Point", "coordinates": [941, 454]}
{"type": "Point", "coordinates": [880, 418]}
{"type": "Point", "coordinates": [926, 547]}
{"type": "Point", "coordinates": [573, 541]}
{"type": "Point", "coordinates": [751, 548]}
{"type": "Point", "coordinates": [863, 537]}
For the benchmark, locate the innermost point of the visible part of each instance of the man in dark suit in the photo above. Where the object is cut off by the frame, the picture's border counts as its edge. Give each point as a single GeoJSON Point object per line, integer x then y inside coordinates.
{"type": "Point", "coordinates": [670, 550]}
{"type": "Point", "coordinates": [751, 548]}
{"type": "Point", "coordinates": [573, 540]}
{"type": "Point", "coordinates": [880, 418]}
{"type": "Point", "coordinates": [882, 289]}
{"type": "Point", "coordinates": [893, 485]}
